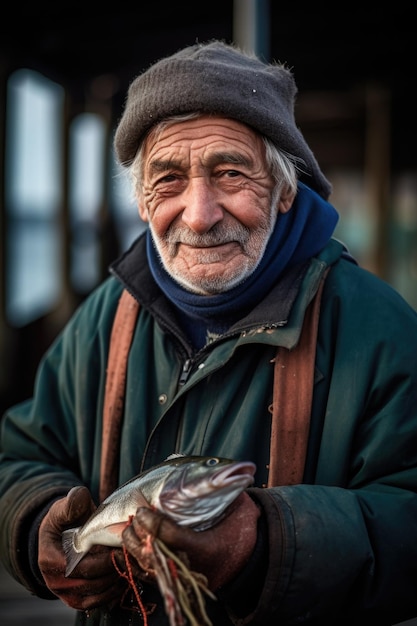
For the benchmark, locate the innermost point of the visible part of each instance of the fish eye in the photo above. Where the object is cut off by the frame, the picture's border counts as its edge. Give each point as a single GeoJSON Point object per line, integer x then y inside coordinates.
{"type": "Point", "coordinates": [212, 461]}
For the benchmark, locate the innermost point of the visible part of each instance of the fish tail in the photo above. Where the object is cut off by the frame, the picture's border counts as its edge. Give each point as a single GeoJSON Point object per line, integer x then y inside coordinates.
{"type": "Point", "coordinates": [72, 555]}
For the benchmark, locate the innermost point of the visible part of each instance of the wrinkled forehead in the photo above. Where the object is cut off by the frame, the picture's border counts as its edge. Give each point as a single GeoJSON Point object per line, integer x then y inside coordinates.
{"type": "Point", "coordinates": [206, 135]}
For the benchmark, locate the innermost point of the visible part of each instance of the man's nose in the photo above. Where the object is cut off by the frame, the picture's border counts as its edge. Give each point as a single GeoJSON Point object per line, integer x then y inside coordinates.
{"type": "Point", "coordinates": [202, 209]}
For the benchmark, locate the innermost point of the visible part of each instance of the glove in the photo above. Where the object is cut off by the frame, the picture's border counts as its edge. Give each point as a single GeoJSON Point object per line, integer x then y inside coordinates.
{"type": "Point", "coordinates": [219, 553]}
{"type": "Point", "coordinates": [95, 581]}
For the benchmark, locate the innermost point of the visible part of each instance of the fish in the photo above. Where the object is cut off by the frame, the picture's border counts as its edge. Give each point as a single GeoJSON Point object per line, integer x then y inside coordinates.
{"type": "Point", "coordinates": [194, 491]}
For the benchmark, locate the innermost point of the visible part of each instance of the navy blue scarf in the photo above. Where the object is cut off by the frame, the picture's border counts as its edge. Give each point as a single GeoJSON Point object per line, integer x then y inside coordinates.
{"type": "Point", "coordinates": [298, 235]}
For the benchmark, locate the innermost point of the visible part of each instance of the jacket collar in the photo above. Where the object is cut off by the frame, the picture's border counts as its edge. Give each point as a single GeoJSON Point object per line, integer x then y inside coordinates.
{"type": "Point", "coordinates": [132, 270]}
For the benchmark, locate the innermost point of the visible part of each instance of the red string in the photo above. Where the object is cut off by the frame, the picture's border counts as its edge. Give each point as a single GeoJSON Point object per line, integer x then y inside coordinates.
{"type": "Point", "coordinates": [173, 569]}
{"type": "Point", "coordinates": [130, 579]}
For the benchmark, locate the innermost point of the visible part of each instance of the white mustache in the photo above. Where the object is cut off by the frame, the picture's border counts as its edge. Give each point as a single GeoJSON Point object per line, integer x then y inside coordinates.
{"type": "Point", "coordinates": [214, 237]}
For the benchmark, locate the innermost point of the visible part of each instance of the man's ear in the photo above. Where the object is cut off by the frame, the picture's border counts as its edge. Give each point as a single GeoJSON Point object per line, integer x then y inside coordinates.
{"type": "Point", "coordinates": [143, 212]}
{"type": "Point", "coordinates": [285, 201]}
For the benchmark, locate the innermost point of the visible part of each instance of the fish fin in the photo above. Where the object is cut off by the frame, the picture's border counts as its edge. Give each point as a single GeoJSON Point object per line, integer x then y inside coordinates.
{"type": "Point", "coordinates": [73, 557]}
{"type": "Point", "coordinates": [175, 455]}
{"type": "Point", "coordinates": [115, 530]}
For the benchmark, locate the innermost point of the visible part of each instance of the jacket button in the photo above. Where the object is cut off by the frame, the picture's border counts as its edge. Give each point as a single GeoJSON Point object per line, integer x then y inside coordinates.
{"type": "Point", "coordinates": [162, 398]}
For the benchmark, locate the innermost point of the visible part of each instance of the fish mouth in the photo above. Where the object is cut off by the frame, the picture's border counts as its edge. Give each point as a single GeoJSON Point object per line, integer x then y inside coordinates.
{"type": "Point", "coordinates": [239, 474]}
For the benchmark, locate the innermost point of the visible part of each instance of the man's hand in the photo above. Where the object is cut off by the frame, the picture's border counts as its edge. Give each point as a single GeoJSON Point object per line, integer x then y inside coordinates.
{"type": "Point", "coordinates": [94, 582]}
{"type": "Point", "coordinates": [219, 553]}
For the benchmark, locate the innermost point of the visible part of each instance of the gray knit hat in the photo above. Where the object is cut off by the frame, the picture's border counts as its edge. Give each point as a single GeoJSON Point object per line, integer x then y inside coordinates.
{"type": "Point", "coordinates": [218, 78]}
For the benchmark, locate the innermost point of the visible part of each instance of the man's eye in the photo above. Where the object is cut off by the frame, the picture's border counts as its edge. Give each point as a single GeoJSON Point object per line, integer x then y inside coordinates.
{"type": "Point", "coordinates": [169, 178]}
{"type": "Point", "coordinates": [232, 173]}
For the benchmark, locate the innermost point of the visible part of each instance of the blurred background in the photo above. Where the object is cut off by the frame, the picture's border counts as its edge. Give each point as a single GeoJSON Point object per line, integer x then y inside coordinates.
{"type": "Point", "coordinates": [65, 211]}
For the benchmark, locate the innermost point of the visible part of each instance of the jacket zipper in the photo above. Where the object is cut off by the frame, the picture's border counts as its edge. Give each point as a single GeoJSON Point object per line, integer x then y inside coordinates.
{"type": "Point", "coordinates": [186, 369]}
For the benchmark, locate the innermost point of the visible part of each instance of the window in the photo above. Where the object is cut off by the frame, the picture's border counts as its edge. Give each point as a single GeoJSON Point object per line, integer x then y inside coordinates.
{"type": "Point", "coordinates": [33, 192]}
{"type": "Point", "coordinates": [86, 196]}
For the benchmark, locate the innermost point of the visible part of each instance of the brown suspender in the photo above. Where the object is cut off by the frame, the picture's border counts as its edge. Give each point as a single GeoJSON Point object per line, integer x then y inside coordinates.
{"type": "Point", "coordinates": [120, 340]}
{"type": "Point", "coordinates": [291, 405]}
{"type": "Point", "coordinates": [292, 395]}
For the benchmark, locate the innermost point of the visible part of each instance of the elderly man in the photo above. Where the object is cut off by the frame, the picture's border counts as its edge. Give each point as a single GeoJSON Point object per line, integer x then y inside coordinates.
{"type": "Point", "coordinates": [236, 326]}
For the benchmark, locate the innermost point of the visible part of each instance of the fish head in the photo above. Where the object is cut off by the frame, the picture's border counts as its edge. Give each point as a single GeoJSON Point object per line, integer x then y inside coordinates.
{"type": "Point", "coordinates": [199, 489]}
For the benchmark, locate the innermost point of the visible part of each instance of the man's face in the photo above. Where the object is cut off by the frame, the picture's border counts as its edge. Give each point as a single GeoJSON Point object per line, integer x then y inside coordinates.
{"type": "Point", "coordinates": [207, 198]}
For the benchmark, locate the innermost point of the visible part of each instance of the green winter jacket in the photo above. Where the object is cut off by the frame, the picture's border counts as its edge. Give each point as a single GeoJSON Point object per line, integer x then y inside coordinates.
{"type": "Point", "coordinates": [342, 546]}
